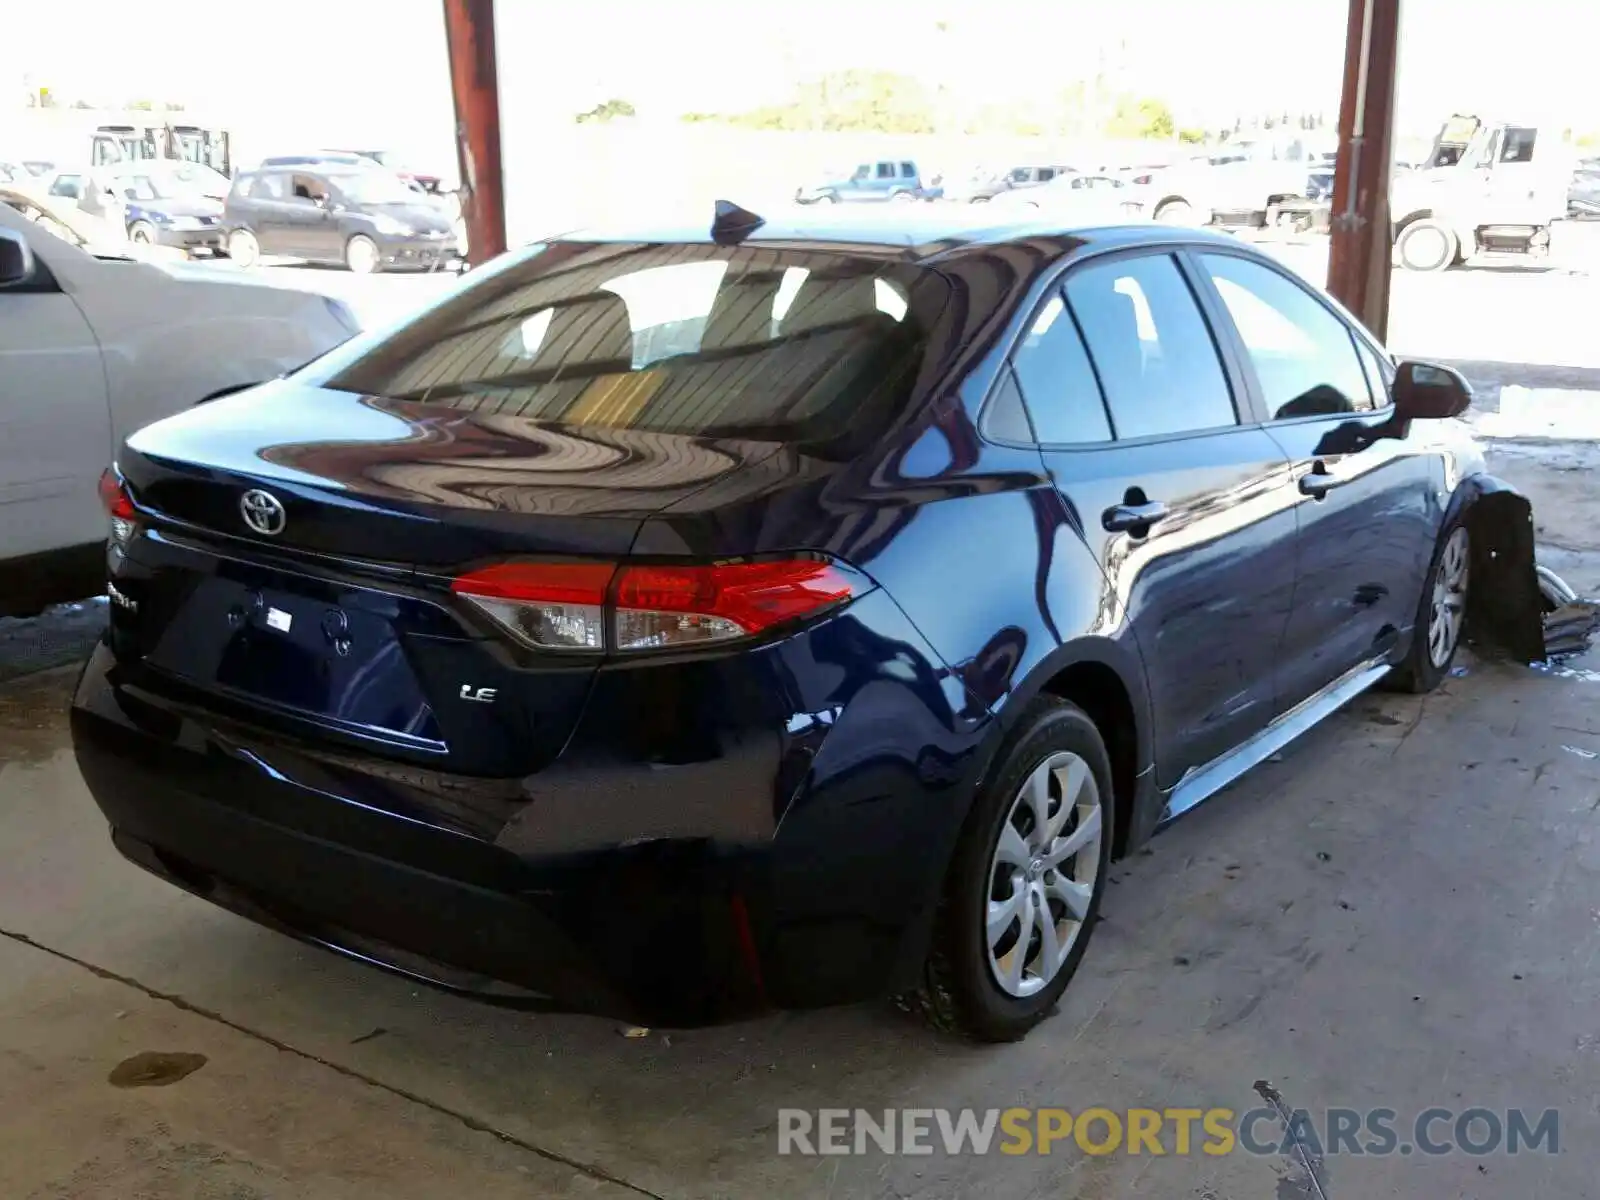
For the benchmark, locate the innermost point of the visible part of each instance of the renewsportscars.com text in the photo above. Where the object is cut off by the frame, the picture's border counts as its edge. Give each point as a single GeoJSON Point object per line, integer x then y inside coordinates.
{"type": "Point", "coordinates": [1163, 1131]}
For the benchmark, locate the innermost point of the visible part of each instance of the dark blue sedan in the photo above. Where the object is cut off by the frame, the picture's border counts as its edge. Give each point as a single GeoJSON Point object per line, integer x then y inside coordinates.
{"type": "Point", "coordinates": [678, 623]}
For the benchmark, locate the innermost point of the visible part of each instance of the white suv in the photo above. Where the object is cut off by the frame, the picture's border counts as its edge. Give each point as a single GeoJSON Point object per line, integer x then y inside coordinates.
{"type": "Point", "coordinates": [93, 346]}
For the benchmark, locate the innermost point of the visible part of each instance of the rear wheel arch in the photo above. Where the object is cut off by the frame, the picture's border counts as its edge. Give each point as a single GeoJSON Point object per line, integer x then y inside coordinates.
{"type": "Point", "coordinates": [1099, 691]}
{"type": "Point", "coordinates": [1107, 683]}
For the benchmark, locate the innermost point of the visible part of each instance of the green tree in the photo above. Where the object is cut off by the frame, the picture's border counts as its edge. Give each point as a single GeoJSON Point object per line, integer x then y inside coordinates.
{"type": "Point", "coordinates": [1141, 118]}
{"type": "Point", "coordinates": [854, 101]}
{"type": "Point", "coordinates": [608, 110]}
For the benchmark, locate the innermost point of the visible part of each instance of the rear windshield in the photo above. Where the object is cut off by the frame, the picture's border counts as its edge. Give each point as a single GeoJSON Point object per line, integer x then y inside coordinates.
{"type": "Point", "coordinates": [690, 339]}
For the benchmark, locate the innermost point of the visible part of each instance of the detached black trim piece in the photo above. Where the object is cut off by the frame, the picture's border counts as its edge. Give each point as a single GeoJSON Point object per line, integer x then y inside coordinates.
{"type": "Point", "coordinates": [1505, 604]}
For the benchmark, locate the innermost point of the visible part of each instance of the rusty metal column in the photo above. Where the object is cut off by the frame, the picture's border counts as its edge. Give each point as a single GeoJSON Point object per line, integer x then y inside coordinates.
{"type": "Point", "coordinates": [475, 85]}
{"type": "Point", "coordinates": [1361, 253]}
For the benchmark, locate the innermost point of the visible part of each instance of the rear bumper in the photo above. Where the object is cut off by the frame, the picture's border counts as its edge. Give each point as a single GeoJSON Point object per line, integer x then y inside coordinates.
{"type": "Point", "coordinates": [779, 861]}
{"type": "Point", "coordinates": [652, 933]}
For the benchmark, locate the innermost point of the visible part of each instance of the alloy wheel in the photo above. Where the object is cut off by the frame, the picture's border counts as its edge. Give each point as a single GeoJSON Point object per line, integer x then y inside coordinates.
{"type": "Point", "coordinates": [1448, 608]}
{"type": "Point", "coordinates": [1043, 873]}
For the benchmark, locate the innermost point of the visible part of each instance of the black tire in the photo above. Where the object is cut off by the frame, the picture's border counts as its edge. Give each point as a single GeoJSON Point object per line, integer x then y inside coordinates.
{"type": "Point", "coordinates": [142, 233]}
{"type": "Point", "coordinates": [1427, 246]}
{"type": "Point", "coordinates": [958, 993]}
{"type": "Point", "coordinates": [1417, 673]}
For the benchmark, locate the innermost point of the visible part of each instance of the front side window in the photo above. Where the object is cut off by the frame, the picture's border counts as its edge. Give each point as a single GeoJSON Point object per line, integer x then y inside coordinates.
{"type": "Point", "coordinates": [908, 170]}
{"type": "Point", "coordinates": [1058, 384]}
{"type": "Point", "coordinates": [1303, 354]}
{"type": "Point", "coordinates": [703, 340]}
{"type": "Point", "coordinates": [307, 189]}
{"type": "Point", "coordinates": [70, 186]}
{"type": "Point", "coordinates": [1517, 145]}
{"type": "Point", "coordinates": [1380, 374]}
{"type": "Point", "coordinates": [1151, 348]}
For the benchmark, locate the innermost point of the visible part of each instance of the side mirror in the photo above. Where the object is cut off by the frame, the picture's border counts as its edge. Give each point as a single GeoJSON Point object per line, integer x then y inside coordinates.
{"type": "Point", "coordinates": [16, 259]}
{"type": "Point", "coordinates": [1428, 391]}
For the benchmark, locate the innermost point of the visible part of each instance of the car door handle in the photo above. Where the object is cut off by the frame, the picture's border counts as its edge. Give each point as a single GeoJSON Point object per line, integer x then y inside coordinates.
{"type": "Point", "coordinates": [1123, 518]}
{"type": "Point", "coordinates": [1317, 483]}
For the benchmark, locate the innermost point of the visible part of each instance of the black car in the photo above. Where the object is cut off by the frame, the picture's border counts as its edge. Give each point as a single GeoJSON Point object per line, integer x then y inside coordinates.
{"type": "Point", "coordinates": [367, 219]}
{"type": "Point", "coordinates": [682, 622]}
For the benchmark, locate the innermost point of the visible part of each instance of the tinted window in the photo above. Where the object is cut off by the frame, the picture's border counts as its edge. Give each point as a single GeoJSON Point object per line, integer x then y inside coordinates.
{"type": "Point", "coordinates": [885, 170]}
{"type": "Point", "coordinates": [1006, 418]}
{"type": "Point", "coordinates": [1303, 354]}
{"type": "Point", "coordinates": [1150, 346]}
{"type": "Point", "coordinates": [908, 170]}
{"type": "Point", "coordinates": [1057, 381]}
{"type": "Point", "coordinates": [67, 185]}
{"type": "Point", "coordinates": [694, 339]}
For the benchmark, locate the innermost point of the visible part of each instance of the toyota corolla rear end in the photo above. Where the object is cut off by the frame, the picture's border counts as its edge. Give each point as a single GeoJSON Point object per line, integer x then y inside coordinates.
{"type": "Point", "coordinates": [509, 652]}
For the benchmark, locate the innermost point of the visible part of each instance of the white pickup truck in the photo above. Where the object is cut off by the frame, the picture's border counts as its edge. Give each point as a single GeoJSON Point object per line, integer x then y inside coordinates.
{"type": "Point", "coordinates": [1237, 184]}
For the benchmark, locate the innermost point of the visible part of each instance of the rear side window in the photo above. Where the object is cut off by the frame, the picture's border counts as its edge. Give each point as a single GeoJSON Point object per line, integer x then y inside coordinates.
{"type": "Point", "coordinates": [269, 186]}
{"type": "Point", "coordinates": [885, 170]}
{"type": "Point", "coordinates": [1302, 352]}
{"type": "Point", "coordinates": [1151, 347]}
{"type": "Point", "coordinates": [1058, 384]}
{"type": "Point", "coordinates": [690, 339]}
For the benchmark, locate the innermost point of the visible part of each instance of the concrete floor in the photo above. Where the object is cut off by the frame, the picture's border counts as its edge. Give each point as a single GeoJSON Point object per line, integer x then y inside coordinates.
{"type": "Point", "coordinates": [1401, 912]}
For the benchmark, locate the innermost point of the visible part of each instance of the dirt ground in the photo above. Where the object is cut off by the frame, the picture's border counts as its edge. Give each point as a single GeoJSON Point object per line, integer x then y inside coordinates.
{"type": "Point", "coordinates": [1401, 911]}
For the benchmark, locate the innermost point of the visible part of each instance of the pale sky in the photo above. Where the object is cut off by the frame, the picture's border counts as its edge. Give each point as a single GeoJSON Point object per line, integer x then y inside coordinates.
{"type": "Point", "coordinates": [375, 70]}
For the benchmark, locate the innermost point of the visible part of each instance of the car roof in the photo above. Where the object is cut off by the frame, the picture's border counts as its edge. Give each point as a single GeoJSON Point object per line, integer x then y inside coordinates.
{"type": "Point", "coordinates": [909, 236]}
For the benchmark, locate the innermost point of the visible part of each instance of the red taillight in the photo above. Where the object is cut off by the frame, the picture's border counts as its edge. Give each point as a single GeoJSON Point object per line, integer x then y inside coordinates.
{"type": "Point", "coordinates": [559, 583]}
{"type": "Point", "coordinates": [667, 605]}
{"type": "Point", "coordinates": [1142, 179]}
{"type": "Point", "coordinates": [118, 502]}
{"type": "Point", "coordinates": [578, 606]}
{"type": "Point", "coordinates": [114, 495]}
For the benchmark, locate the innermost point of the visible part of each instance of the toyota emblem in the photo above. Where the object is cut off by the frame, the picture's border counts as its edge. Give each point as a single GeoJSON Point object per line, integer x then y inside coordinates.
{"type": "Point", "coordinates": [263, 512]}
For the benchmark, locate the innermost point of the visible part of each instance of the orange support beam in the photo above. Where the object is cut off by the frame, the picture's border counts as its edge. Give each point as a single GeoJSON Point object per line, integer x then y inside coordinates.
{"type": "Point", "coordinates": [1360, 257]}
{"type": "Point", "coordinates": [475, 86]}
